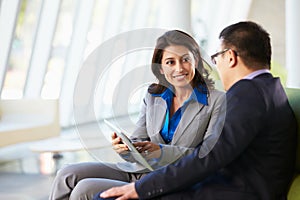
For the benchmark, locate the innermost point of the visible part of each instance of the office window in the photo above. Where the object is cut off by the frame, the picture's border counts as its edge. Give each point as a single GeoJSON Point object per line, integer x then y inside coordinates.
{"type": "Point", "coordinates": [21, 49]}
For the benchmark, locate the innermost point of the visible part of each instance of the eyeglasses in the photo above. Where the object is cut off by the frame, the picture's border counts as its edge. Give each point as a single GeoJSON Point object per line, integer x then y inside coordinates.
{"type": "Point", "coordinates": [216, 55]}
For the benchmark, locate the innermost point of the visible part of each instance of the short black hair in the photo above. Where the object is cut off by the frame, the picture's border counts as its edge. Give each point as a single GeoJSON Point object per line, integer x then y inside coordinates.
{"type": "Point", "coordinates": [251, 42]}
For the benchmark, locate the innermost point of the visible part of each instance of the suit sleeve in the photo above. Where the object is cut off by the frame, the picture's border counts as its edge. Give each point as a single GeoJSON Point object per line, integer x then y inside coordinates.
{"type": "Point", "coordinates": [244, 117]}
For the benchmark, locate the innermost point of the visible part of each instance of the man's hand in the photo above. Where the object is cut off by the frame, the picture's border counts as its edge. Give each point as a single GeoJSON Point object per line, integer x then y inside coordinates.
{"type": "Point", "coordinates": [123, 192]}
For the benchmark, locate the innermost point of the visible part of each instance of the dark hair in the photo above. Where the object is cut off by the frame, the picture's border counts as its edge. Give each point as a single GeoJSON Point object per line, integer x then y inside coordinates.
{"type": "Point", "coordinates": [176, 37]}
{"type": "Point", "coordinates": [250, 41]}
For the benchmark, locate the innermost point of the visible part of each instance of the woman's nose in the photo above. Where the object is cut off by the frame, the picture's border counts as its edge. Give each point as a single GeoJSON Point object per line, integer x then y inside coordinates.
{"type": "Point", "coordinates": [178, 67]}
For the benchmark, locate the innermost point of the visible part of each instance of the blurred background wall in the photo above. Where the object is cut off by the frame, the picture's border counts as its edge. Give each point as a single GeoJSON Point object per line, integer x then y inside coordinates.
{"type": "Point", "coordinates": [44, 43]}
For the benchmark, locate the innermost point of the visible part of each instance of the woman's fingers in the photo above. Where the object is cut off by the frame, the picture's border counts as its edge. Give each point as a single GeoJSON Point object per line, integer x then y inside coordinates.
{"type": "Point", "coordinates": [140, 146]}
{"type": "Point", "coordinates": [146, 146]}
{"type": "Point", "coordinates": [116, 141]}
{"type": "Point", "coordinates": [118, 146]}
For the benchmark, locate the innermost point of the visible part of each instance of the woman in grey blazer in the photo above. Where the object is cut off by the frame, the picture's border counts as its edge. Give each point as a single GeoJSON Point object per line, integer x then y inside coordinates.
{"type": "Point", "coordinates": [178, 112]}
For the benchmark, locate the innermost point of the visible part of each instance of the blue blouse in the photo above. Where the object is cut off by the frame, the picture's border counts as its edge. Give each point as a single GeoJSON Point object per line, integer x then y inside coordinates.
{"type": "Point", "coordinates": [171, 124]}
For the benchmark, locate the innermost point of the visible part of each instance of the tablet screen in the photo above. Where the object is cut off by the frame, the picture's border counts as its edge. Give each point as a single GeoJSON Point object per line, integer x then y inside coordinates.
{"type": "Point", "coordinates": [135, 153]}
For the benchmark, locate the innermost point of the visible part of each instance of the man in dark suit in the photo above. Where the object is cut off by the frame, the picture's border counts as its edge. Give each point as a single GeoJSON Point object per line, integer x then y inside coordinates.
{"type": "Point", "coordinates": [254, 156]}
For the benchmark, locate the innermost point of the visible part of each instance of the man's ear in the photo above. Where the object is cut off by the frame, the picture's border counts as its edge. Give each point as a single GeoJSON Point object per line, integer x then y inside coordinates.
{"type": "Point", "coordinates": [232, 58]}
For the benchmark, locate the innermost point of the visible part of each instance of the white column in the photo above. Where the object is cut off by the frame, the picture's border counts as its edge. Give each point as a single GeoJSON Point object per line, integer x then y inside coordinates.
{"type": "Point", "coordinates": [175, 14]}
{"type": "Point", "coordinates": [75, 58]}
{"type": "Point", "coordinates": [8, 19]}
{"type": "Point", "coordinates": [42, 48]}
{"type": "Point", "coordinates": [293, 42]}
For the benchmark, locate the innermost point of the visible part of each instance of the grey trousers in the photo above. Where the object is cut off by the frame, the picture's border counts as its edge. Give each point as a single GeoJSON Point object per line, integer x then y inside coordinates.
{"type": "Point", "coordinates": [83, 180]}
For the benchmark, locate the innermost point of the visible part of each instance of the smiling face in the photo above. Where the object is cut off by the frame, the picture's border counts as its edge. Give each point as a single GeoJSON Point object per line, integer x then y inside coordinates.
{"type": "Point", "coordinates": [178, 66]}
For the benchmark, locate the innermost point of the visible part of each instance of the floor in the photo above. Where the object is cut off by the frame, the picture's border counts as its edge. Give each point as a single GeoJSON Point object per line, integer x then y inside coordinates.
{"type": "Point", "coordinates": [27, 175]}
{"type": "Point", "coordinates": [31, 177]}
{"type": "Point", "coordinates": [18, 186]}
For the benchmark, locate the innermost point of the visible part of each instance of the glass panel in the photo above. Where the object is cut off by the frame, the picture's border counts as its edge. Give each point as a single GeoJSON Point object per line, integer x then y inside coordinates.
{"type": "Point", "coordinates": [96, 32]}
{"type": "Point", "coordinates": [21, 49]}
{"type": "Point", "coordinates": [62, 38]}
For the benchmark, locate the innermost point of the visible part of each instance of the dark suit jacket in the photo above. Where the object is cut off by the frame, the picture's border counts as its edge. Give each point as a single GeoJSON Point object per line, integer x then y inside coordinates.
{"type": "Point", "coordinates": [253, 158]}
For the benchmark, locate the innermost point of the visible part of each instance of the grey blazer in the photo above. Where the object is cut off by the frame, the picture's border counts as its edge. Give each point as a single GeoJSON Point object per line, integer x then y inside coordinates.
{"type": "Point", "coordinates": [197, 120]}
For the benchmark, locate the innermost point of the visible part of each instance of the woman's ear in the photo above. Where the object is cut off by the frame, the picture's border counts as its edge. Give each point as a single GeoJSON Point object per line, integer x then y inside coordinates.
{"type": "Point", "coordinates": [161, 71]}
{"type": "Point", "coordinates": [196, 63]}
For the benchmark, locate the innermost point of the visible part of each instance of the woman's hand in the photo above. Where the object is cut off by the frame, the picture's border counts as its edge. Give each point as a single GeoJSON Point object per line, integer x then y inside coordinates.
{"type": "Point", "coordinates": [148, 149]}
{"type": "Point", "coordinates": [118, 145]}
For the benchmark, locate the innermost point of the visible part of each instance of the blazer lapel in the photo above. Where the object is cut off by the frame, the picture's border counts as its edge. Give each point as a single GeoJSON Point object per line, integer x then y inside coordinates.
{"type": "Point", "coordinates": [189, 114]}
{"type": "Point", "coordinates": [158, 114]}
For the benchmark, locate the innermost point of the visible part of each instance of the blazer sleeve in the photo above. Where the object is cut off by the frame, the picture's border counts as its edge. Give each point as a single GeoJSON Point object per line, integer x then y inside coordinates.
{"type": "Point", "coordinates": [140, 131]}
{"type": "Point", "coordinates": [245, 109]}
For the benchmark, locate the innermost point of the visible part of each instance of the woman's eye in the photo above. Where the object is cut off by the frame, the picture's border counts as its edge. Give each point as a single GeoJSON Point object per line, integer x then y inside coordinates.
{"type": "Point", "coordinates": [170, 62]}
{"type": "Point", "coordinates": [186, 59]}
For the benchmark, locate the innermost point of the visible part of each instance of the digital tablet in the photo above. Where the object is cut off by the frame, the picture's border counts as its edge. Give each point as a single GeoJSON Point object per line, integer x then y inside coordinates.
{"type": "Point", "coordinates": [135, 153]}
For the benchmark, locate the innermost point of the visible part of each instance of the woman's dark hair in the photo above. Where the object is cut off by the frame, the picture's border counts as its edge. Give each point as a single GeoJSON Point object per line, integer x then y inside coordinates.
{"type": "Point", "coordinates": [171, 38]}
{"type": "Point", "coordinates": [250, 41]}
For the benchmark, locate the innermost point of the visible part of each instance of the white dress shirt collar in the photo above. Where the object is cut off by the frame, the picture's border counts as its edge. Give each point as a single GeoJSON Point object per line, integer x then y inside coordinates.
{"type": "Point", "coordinates": [256, 73]}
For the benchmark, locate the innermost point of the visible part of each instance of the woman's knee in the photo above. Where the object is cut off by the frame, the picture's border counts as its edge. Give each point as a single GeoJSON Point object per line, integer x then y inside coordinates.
{"type": "Point", "coordinates": [67, 176]}
{"type": "Point", "coordinates": [88, 188]}
{"type": "Point", "coordinates": [74, 170]}
{"type": "Point", "coordinates": [64, 170]}
{"type": "Point", "coordinates": [84, 190]}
